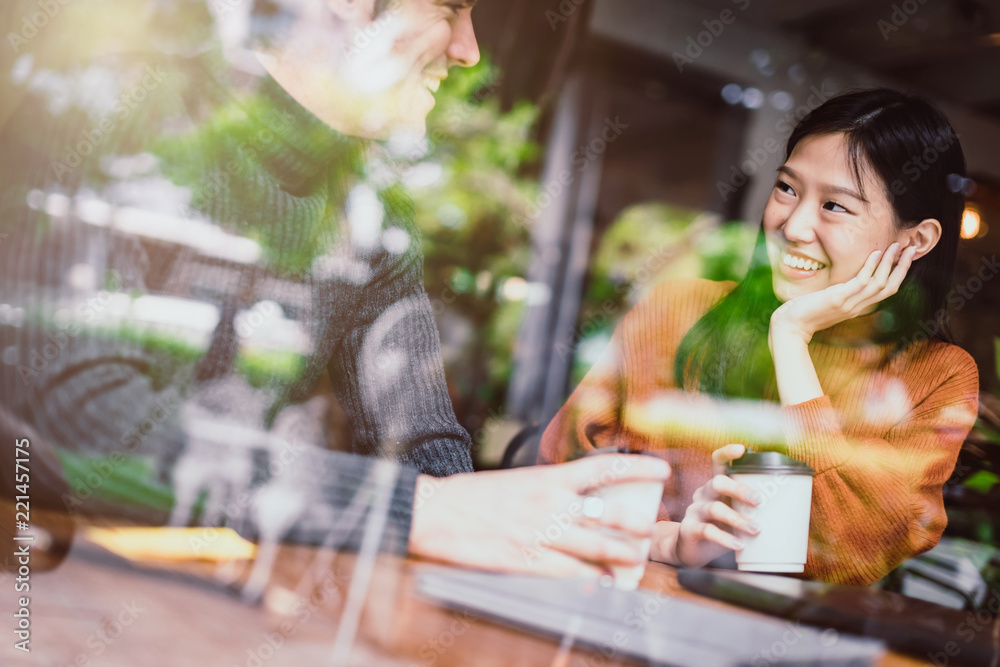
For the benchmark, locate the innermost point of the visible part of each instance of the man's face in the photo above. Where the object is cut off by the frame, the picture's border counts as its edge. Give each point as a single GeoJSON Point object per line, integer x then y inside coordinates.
{"type": "Point", "coordinates": [370, 75]}
{"type": "Point", "coordinates": [424, 38]}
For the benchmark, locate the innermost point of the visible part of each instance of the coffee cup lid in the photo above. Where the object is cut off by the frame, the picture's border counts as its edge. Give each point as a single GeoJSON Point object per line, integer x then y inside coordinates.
{"type": "Point", "coordinates": [770, 463]}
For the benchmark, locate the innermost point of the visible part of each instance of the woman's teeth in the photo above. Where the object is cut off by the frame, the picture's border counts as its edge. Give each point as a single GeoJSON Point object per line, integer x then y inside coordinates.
{"type": "Point", "coordinates": [801, 263]}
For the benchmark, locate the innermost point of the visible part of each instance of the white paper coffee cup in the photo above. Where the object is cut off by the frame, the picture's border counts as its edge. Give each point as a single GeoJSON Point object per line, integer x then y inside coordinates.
{"type": "Point", "coordinates": [785, 488]}
{"type": "Point", "coordinates": [641, 499]}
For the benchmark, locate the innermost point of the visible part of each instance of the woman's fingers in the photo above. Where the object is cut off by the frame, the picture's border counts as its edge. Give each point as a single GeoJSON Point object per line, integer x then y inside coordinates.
{"type": "Point", "coordinates": [886, 281]}
{"type": "Point", "coordinates": [881, 275]}
{"type": "Point", "coordinates": [709, 532]}
{"type": "Point", "coordinates": [723, 455]}
{"type": "Point", "coordinates": [869, 267]}
{"type": "Point", "coordinates": [870, 279]}
{"type": "Point", "coordinates": [720, 513]}
{"type": "Point", "coordinates": [727, 487]}
{"type": "Point", "coordinates": [899, 272]}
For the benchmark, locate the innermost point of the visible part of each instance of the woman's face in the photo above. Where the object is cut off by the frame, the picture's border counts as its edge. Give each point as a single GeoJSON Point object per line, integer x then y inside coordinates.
{"type": "Point", "coordinates": [818, 227]}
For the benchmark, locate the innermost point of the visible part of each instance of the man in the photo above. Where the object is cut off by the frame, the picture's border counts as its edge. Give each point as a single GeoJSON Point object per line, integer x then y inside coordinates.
{"type": "Point", "coordinates": [194, 234]}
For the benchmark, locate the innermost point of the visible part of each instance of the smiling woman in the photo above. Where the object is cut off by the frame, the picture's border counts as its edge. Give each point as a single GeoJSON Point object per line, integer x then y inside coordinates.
{"type": "Point", "coordinates": [828, 325]}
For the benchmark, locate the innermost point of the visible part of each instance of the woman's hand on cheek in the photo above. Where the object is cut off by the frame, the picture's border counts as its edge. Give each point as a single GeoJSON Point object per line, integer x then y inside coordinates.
{"type": "Point", "coordinates": [879, 278]}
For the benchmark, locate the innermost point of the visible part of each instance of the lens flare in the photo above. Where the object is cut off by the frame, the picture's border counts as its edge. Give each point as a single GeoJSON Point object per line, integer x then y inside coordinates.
{"type": "Point", "coordinates": [970, 223]}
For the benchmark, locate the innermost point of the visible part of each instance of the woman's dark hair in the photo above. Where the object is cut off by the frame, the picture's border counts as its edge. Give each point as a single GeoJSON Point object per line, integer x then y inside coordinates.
{"type": "Point", "coordinates": [907, 143]}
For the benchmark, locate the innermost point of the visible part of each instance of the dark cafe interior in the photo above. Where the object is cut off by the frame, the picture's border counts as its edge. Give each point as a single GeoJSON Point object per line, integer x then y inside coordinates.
{"type": "Point", "coordinates": [416, 333]}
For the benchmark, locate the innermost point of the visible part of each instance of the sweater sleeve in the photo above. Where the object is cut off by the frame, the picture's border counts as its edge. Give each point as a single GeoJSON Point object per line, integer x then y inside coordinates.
{"type": "Point", "coordinates": [611, 403]}
{"type": "Point", "coordinates": [388, 374]}
{"type": "Point", "coordinates": [877, 502]}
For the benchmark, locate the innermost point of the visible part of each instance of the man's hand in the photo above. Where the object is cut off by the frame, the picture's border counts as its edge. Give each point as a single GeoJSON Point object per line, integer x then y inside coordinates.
{"type": "Point", "coordinates": [531, 520]}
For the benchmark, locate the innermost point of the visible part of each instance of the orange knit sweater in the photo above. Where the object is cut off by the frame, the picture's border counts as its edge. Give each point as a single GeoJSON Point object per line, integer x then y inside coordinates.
{"type": "Point", "coordinates": [882, 440]}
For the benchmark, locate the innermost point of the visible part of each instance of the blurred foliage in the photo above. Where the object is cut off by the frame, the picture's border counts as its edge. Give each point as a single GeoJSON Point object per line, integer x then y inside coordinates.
{"type": "Point", "coordinates": [121, 481]}
{"type": "Point", "coordinates": [266, 367]}
{"type": "Point", "coordinates": [225, 160]}
{"type": "Point", "coordinates": [972, 493]}
{"type": "Point", "coordinates": [982, 481]}
{"type": "Point", "coordinates": [471, 196]}
{"type": "Point", "coordinates": [647, 244]}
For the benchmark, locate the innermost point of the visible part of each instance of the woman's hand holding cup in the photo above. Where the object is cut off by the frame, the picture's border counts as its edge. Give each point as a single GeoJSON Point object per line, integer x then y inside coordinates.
{"type": "Point", "coordinates": [711, 527]}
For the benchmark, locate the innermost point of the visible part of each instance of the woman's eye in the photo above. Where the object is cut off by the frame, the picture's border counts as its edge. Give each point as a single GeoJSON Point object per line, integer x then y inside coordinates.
{"type": "Point", "coordinates": [784, 187]}
{"type": "Point", "coordinates": [835, 207]}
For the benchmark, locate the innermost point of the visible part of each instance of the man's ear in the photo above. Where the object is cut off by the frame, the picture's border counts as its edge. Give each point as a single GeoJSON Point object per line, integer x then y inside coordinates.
{"type": "Point", "coordinates": [353, 12]}
{"type": "Point", "coordinates": [924, 236]}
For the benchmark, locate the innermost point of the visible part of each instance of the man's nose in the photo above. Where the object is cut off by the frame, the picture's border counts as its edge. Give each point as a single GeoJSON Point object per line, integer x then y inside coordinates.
{"type": "Point", "coordinates": [464, 48]}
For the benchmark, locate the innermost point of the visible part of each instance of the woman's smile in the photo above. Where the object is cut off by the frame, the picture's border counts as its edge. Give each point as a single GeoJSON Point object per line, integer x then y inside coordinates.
{"type": "Point", "coordinates": [797, 266]}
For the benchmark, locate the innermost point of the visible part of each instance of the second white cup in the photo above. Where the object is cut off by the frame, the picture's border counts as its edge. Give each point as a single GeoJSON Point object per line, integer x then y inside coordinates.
{"type": "Point", "coordinates": [785, 487]}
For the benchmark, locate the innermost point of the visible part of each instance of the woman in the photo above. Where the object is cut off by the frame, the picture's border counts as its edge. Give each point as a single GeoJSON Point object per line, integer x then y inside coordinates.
{"type": "Point", "coordinates": [840, 320]}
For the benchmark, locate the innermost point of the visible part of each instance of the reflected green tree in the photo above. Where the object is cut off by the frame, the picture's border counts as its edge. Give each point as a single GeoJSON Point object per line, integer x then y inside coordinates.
{"type": "Point", "coordinates": [472, 190]}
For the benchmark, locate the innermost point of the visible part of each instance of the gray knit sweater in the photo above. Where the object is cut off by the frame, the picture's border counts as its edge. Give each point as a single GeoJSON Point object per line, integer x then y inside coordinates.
{"type": "Point", "coordinates": [184, 251]}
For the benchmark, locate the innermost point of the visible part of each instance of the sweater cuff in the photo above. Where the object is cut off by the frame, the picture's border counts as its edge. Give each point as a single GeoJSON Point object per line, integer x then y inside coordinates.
{"type": "Point", "coordinates": [813, 434]}
{"type": "Point", "coordinates": [439, 458]}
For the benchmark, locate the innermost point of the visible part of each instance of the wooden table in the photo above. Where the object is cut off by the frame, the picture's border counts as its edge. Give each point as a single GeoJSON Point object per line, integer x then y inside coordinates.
{"type": "Point", "coordinates": [97, 609]}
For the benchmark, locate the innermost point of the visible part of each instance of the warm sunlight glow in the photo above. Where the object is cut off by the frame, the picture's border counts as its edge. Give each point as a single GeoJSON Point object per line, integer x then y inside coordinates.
{"type": "Point", "coordinates": [970, 223]}
{"type": "Point", "coordinates": [174, 544]}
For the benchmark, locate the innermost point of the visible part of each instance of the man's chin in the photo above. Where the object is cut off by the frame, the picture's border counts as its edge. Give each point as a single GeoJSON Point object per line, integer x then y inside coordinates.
{"type": "Point", "coordinates": [408, 138]}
